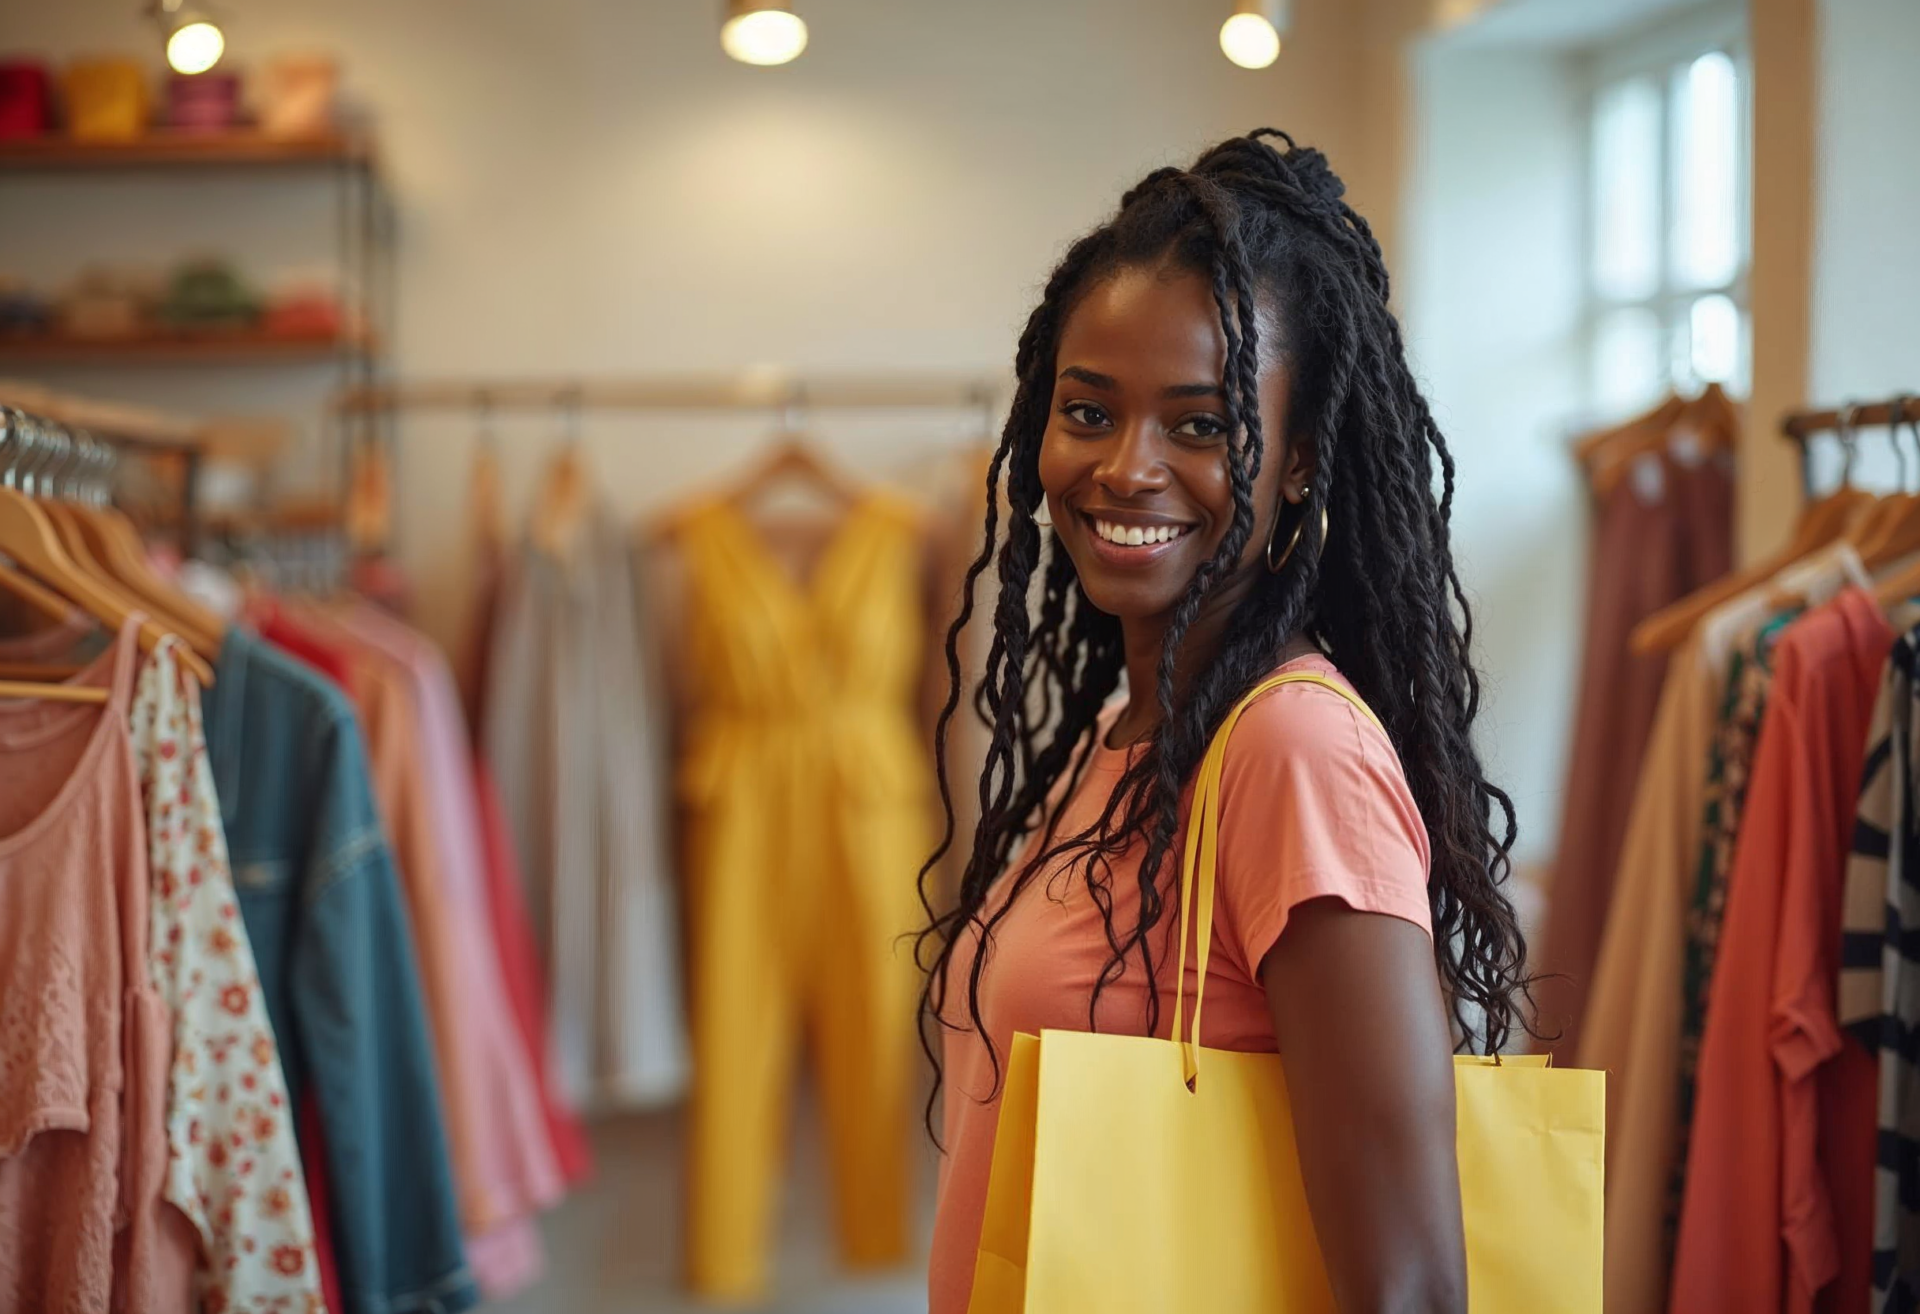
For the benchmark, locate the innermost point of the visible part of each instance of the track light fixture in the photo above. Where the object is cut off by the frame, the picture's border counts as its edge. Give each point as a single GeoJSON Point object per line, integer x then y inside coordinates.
{"type": "Point", "coordinates": [1251, 37]}
{"type": "Point", "coordinates": [762, 32]}
{"type": "Point", "coordinates": [194, 40]}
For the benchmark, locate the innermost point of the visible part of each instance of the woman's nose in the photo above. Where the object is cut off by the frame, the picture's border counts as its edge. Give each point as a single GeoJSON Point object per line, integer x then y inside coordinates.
{"type": "Point", "coordinates": [1132, 463]}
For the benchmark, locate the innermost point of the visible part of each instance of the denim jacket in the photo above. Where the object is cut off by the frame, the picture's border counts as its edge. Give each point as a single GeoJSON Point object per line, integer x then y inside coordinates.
{"type": "Point", "coordinates": [322, 907]}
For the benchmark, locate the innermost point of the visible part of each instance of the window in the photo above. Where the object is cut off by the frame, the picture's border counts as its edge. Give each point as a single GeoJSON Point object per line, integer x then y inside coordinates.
{"type": "Point", "coordinates": [1667, 217]}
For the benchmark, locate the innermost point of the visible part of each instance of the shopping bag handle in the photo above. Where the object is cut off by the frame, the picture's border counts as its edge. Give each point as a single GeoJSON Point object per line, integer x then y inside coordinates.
{"type": "Point", "coordinates": [1199, 868]}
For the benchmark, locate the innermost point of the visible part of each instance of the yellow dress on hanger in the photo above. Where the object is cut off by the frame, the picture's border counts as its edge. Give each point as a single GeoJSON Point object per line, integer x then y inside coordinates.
{"type": "Point", "coordinates": [807, 790]}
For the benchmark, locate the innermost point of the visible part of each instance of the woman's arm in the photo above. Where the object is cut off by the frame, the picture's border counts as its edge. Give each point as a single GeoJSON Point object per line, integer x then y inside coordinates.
{"type": "Point", "coordinates": [1364, 1037]}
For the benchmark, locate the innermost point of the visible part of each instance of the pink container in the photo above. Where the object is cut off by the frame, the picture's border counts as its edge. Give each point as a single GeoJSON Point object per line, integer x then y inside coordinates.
{"type": "Point", "coordinates": [26, 99]}
{"type": "Point", "coordinates": [205, 102]}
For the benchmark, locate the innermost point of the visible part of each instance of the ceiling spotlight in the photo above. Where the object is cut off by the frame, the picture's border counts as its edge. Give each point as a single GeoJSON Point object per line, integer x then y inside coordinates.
{"type": "Point", "coordinates": [762, 32]}
{"type": "Point", "coordinates": [194, 41]}
{"type": "Point", "coordinates": [1251, 38]}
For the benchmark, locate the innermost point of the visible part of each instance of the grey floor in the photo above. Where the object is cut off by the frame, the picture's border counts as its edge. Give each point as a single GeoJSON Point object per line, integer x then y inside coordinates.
{"type": "Point", "coordinates": [614, 1248]}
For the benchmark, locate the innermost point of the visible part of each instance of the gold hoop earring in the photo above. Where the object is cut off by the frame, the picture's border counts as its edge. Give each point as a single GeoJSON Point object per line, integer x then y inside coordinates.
{"type": "Point", "coordinates": [1294, 540]}
{"type": "Point", "coordinates": [1043, 514]}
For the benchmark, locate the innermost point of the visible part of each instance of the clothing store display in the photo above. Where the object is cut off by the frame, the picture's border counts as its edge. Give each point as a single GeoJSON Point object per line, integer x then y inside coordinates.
{"type": "Point", "coordinates": [1336, 820]}
{"type": "Point", "coordinates": [1633, 1020]}
{"type": "Point", "coordinates": [1661, 532]}
{"type": "Point", "coordinates": [83, 1041]}
{"type": "Point", "coordinates": [323, 909]}
{"type": "Point", "coordinates": [571, 744]}
{"type": "Point", "coordinates": [234, 1166]}
{"type": "Point", "coordinates": [805, 788]}
{"type": "Point", "coordinates": [1878, 987]}
{"type": "Point", "coordinates": [1780, 1168]}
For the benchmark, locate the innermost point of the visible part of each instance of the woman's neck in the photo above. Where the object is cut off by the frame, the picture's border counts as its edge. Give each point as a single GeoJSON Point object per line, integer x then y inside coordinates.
{"type": "Point", "coordinates": [1145, 641]}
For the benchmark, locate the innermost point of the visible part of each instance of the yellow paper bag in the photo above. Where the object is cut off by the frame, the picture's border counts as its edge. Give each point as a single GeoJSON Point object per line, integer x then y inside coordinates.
{"type": "Point", "coordinates": [1141, 1176]}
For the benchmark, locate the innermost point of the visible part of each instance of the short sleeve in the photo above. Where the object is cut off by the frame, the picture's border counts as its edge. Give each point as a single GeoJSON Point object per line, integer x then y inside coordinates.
{"type": "Point", "coordinates": [1313, 804]}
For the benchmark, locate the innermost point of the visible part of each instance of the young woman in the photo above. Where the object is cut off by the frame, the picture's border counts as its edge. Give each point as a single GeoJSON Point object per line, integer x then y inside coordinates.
{"type": "Point", "coordinates": [1216, 422]}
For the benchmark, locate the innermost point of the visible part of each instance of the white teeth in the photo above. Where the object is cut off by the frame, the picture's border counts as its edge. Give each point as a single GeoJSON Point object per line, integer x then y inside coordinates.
{"type": "Point", "coordinates": [1135, 535]}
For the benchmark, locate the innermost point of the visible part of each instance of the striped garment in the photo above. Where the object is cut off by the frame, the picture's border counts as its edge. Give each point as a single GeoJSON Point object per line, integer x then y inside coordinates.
{"type": "Point", "coordinates": [1879, 981]}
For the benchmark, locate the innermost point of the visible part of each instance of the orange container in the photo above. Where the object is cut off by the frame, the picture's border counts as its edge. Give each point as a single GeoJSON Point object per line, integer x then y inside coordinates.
{"type": "Point", "coordinates": [106, 99]}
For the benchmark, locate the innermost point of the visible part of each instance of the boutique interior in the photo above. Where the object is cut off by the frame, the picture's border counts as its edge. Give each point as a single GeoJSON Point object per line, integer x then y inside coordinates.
{"type": "Point", "coordinates": [478, 399]}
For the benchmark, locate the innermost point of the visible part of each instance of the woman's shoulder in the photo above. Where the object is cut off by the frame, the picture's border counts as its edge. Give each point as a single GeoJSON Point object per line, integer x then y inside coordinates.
{"type": "Point", "coordinates": [1321, 717]}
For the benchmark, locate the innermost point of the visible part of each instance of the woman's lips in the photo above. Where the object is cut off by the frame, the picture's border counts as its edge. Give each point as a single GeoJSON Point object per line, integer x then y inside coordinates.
{"type": "Point", "coordinates": [1102, 533]}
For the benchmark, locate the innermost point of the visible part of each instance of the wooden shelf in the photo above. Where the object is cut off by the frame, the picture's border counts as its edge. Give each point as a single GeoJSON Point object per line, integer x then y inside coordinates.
{"type": "Point", "coordinates": [163, 148]}
{"type": "Point", "coordinates": [181, 349]}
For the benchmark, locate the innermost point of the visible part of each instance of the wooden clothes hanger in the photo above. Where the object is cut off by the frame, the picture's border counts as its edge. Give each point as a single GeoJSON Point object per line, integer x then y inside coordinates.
{"type": "Point", "coordinates": [1659, 419]}
{"type": "Point", "coordinates": [792, 459]}
{"type": "Point", "coordinates": [1711, 419]}
{"type": "Point", "coordinates": [1821, 524]}
{"type": "Point", "coordinates": [102, 540]}
{"type": "Point", "coordinates": [29, 539]}
{"type": "Point", "coordinates": [561, 508]}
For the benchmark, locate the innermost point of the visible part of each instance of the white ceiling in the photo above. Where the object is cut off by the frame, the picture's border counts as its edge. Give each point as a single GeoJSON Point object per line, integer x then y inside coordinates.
{"type": "Point", "coordinates": [1564, 24]}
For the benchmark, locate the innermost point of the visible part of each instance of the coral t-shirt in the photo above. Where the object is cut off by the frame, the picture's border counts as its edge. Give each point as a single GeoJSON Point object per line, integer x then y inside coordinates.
{"type": "Point", "coordinates": [1313, 804]}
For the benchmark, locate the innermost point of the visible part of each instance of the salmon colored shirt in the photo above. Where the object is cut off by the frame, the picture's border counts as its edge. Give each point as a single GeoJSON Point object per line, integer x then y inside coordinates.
{"type": "Point", "coordinates": [1313, 805]}
{"type": "Point", "coordinates": [1778, 1211]}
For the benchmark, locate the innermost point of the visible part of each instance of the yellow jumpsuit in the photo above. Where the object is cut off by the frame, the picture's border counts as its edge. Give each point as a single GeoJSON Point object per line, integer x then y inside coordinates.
{"type": "Point", "coordinates": [807, 790]}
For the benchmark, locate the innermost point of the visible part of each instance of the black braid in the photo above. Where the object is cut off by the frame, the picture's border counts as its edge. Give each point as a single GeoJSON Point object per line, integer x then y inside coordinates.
{"type": "Point", "coordinates": [1294, 267]}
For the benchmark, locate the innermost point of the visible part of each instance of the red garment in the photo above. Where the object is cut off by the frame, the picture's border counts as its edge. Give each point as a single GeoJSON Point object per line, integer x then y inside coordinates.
{"type": "Point", "coordinates": [313, 1160]}
{"type": "Point", "coordinates": [297, 641]}
{"type": "Point", "coordinates": [526, 989]}
{"type": "Point", "coordinates": [1778, 1212]}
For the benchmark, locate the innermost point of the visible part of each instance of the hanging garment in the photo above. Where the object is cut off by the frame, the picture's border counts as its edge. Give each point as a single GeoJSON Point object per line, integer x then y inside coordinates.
{"type": "Point", "coordinates": [517, 1167]}
{"type": "Point", "coordinates": [518, 951]}
{"type": "Point", "coordinates": [83, 1037]}
{"type": "Point", "coordinates": [806, 791]}
{"type": "Point", "coordinates": [323, 910]}
{"type": "Point", "coordinates": [1879, 980]}
{"type": "Point", "coordinates": [1662, 531]}
{"type": "Point", "coordinates": [1778, 1200]}
{"type": "Point", "coordinates": [1748, 681]}
{"type": "Point", "coordinates": [570, 740]}
{"type": "Point", "coordinates": [1632, 1023]}
{"type": "Point", "coordinates": [234, 1167]}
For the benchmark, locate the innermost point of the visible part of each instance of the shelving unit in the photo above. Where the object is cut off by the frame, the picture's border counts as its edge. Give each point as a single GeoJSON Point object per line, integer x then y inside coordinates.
{"type": "Point", "coordinates": [238, 148]}
{"type": "Point", "coordinates": [222, 348]}
{"type": "Point", "coordinates": [364, 236]}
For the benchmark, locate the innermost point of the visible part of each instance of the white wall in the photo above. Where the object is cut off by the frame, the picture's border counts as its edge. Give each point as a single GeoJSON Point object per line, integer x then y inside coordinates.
{"type": "Point", "coordinates": [1491, 294]}
{"type": "Point", "coordinates": [1866, 268]}
{"type": "Point", "coordinates": [591, 186]}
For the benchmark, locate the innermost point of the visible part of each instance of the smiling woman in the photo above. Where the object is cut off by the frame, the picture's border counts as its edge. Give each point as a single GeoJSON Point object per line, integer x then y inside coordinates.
{"type": "Point", "coordinates": [1216, 415]}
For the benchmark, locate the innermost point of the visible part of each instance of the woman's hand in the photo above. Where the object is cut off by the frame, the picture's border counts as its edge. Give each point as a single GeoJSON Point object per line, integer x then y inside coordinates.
{"type": "Point", "coordinates": [1364, 1037]}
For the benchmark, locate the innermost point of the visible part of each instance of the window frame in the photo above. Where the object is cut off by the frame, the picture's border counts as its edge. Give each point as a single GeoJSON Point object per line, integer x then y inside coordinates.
{"type": "Point", "coordinates": [1661, 51]}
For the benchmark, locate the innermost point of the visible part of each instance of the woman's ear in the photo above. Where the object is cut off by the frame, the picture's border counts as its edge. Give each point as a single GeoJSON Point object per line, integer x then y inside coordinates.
{"type": "Point", "coordinates": [1297, 468]}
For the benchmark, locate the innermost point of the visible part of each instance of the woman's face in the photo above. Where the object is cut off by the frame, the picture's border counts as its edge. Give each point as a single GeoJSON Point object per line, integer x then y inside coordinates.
{"type": "Point", "coordinates": [1134, 460]}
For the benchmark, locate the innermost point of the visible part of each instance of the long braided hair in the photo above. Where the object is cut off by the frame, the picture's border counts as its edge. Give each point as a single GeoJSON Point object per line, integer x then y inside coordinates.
{"type": "Point", "coordinates": [1285, 254]}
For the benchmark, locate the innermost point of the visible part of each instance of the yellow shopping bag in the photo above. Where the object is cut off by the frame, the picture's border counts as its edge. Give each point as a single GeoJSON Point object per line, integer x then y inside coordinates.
{"type": "Point", "coordinates": [1140, 1176]}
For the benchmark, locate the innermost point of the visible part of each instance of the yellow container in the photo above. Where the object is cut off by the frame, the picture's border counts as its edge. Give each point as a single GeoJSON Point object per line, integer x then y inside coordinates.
{"type": "Point", "coordinates": [106, 99]}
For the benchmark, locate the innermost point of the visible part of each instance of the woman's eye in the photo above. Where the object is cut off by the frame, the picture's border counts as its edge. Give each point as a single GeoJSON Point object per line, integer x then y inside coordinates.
{"type": "Point", "coordinates": [1201, 426]}
{"type": "Point", "coordinates": [1085, 413]}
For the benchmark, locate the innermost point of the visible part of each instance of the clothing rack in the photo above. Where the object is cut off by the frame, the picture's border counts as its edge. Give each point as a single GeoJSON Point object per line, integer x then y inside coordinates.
{"type": "Point", "coordinates": [1802, 427]}
{"type": "Point", "coordinates": [748, 390]}
{"type": "Point", "coordinates": [70, 422]}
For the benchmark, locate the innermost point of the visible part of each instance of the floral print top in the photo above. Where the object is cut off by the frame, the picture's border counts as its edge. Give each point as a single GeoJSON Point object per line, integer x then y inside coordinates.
{"type": "Point", "coordinates": [233, 1165]}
